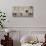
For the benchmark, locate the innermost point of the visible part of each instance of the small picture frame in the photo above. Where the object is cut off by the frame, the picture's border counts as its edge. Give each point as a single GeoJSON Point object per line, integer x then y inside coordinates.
{"type": "Point", "coordinates": [22, 11]}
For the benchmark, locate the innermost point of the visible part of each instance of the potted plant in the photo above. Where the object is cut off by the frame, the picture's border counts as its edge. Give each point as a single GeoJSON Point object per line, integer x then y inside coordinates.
{"type": "Point", "coordinates": [2, 19]}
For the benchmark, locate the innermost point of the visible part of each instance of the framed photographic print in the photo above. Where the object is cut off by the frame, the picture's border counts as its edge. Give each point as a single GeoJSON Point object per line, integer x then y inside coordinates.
{"type": "Point", "coordinates": [22, 11]}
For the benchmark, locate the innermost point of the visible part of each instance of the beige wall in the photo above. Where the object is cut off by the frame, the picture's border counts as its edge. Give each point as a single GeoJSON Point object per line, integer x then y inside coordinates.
{"type": "Point", "coordinates": [37, 22]}
{"type": "Point", "coordinates": [39, 19]}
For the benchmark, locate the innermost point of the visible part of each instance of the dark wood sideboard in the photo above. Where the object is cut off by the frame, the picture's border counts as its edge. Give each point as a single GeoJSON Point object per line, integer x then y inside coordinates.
{"type": "Point", "coordinates": [8, 41]}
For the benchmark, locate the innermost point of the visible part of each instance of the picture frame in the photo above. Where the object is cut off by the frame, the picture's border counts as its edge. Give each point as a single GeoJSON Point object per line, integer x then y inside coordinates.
{"type": "Point", "coordinates": [22, 11]}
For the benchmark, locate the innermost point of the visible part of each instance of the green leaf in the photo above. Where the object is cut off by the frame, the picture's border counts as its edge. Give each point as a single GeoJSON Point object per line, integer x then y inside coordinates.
{"type": "Point", "coordinates": [4, 16]}
{"type": "Point", "coordinates": [4, 13]}
{"type": "Point", "coordinates": [0, 21]}
{"type": "Point", "coordinates": [2, 26]}
{"type": "Point", "coordinates": [3, 19]}
{"type": "Point", "coordinates": [0, 12]}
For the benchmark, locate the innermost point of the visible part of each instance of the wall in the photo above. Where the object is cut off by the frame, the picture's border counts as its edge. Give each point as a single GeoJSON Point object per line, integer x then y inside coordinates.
{"type": "Point", "coordinates": [38, 20]}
